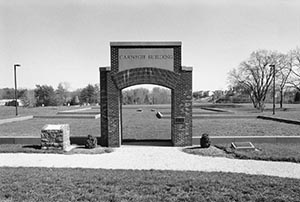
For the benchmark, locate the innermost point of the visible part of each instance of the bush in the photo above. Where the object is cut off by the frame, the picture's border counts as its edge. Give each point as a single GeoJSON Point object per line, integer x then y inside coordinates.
{"type": "Point", "coordinates": [205, 141]}
{"type": "Point", "coordinates": [91, 142]}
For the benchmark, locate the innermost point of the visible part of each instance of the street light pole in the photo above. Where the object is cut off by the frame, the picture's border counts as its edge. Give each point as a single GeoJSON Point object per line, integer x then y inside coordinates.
{"type": "Point", "coordinates": [273, 67]}
{"type": "Point", "coordinates": [15, 73]}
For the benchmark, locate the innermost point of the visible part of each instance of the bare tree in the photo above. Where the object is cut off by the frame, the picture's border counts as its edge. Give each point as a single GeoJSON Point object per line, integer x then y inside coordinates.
{"type": "Point", "coordinates": [255, 75]}
{"type": "Point", "coordinates": [295, 62]}
{"type": "Point", "coordinates": [283, 75]}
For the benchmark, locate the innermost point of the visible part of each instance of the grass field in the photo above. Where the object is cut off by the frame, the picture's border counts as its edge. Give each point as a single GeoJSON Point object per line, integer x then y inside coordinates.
{"type": "Point", "coordinates": [289, 152]}
{"type": "Point", "coordinates": [268, 152]}
{"type": "Point", "coordinates": [9, 112]}
{"type": "Point", "coordinates": [49, 184]}
{"type": "Point", "coordinates": [145, 125]}
{"type": "Point", "coordinates": [32, 127]}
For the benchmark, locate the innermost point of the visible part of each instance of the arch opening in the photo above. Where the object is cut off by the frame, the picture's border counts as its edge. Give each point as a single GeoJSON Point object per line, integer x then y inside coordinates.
{"type": "Point", "coordinates": [139, 122]}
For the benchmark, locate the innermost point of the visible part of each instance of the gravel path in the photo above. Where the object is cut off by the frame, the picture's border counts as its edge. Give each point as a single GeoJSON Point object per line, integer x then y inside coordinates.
{"type": "Point", "coordinates": [158, 158]}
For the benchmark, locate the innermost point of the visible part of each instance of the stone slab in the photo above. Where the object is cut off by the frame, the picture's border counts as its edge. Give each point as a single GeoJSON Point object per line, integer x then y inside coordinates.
{"type": "Point", "coordinates": [243, 145]}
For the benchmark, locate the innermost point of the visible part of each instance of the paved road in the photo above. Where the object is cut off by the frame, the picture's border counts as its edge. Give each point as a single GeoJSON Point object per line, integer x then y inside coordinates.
{"type": "Point", "coordinates": [158, 158]}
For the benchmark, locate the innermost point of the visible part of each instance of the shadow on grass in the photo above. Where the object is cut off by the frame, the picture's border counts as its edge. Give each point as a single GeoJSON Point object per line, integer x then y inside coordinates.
{"type": "Point", "coordinates": [147, 142]}
{"type": "Point", "coordinates": [32, 147]}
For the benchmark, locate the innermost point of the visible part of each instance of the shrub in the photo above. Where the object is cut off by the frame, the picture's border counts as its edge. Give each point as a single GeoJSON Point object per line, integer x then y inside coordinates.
{"type": "Point", "coordinates": [91, 142]}
{"type": "Point", "coordinates": [205, 141]}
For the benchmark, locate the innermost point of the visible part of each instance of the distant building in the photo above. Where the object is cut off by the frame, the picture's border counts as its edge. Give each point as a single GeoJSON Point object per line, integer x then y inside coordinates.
{"type": "Point", "coordinates": [4, 101]}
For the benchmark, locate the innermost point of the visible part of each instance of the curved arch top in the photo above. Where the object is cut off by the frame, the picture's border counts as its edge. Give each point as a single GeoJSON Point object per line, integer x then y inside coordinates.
{"type": "Point", "coordinates": [146, 75]}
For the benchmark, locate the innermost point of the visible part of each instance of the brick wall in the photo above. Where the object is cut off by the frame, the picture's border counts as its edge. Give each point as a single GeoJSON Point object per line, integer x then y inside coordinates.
{"type": "Point", "coordinates": [112, 82]}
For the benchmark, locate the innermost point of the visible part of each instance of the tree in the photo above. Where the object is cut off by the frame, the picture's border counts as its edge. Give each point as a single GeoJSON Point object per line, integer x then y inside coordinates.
{"type": "Point", "coordinates": [283, 76]}
{"type": "Point", "coordinates": [89, 94]}
{"type": "Point", "coordinates": [255, 75]}
{"type": "Point", "coordinates": [62, 93]}
{"type": "Point", "coordinates": [9, 93]}
{"type": "Point", "coordinates": [28, 98]}
{"type": "Point", "coordinates": [45, 95]}
{"type": "Point", "coordinates": [143, 96]}
{"type": "Point", "coordinates": [136, 96]}
{"type": "Point", "coordinates": [295, 63]}
{"type": "Point", "coordinates": [161, 95]}
{"type": "Point", "coordinates": [75, 97]}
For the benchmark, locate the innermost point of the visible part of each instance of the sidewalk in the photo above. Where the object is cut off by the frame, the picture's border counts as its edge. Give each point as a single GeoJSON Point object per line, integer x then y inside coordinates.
{"type": "Point", "coordinates": [22, 118]}
{"type": "Point", "coordinates": [148, 157]}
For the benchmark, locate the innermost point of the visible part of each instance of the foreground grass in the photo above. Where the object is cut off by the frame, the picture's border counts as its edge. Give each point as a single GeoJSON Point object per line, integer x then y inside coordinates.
{"type": "Point", "coordinates": [266, 151]}
{"type": "Point", "coordinates": [48, 184]}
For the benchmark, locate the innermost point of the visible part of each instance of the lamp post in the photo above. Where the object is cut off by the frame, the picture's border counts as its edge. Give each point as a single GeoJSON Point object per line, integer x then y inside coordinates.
{"type": "Point", "coordinates": [273, 67]}
{"type": "Point", "coordinates": [15, 73]}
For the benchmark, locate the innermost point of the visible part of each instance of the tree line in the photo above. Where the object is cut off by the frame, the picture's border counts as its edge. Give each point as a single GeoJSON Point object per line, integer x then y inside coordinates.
{"type": "Point", "coordinates": [145, 96]}
{"type": "Point", "coordinates": [46, 95]}
{"type": "Point", "coordinates": [254, 76]}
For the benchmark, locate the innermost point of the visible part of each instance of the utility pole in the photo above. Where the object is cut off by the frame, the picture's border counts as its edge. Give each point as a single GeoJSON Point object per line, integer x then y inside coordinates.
{"type": "Point", "coordinates": [273, 68]}
{"type": "Point", "coordinates": [15, 73]}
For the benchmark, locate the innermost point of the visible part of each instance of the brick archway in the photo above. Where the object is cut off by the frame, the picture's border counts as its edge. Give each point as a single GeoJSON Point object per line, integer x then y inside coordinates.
{"type": "Point", "coordinates": [131, 64]}
{"type": "Point", "coordinates": [146, 75]}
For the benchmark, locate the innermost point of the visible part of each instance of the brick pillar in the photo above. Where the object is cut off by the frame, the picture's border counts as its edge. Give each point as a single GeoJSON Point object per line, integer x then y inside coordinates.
{"type": "Point", "coordinates": [110, 108]}
{"type": "Point", "coordinates": [182, 111]}
{"type": "Point", "coordinates": [103, 106]}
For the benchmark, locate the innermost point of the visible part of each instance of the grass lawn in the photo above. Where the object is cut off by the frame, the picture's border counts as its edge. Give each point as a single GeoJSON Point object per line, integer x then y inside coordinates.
{"type": "Point", "coordinates": [32, 127]}
{"type": "Point", "coordinates": [9, 112]}
{"type": "Point", "coordinates": [53, 184]}
{"type": "Point", "coordinates": [20, 148]}
{"type": "Point", "coordinates": [243, 127]}
{"type": "Point", "coordinates": [265, 151]}
{"type": "Point", "coordinates": [145, 125]}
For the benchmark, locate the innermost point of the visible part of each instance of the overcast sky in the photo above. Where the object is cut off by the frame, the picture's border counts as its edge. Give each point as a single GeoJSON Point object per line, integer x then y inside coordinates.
{"type": "Point", "coordinates": [67, 40]}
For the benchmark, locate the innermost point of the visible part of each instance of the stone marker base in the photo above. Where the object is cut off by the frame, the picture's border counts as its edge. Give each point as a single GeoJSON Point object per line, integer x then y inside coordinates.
{"type": "Point", "coordinates": [55, 137]}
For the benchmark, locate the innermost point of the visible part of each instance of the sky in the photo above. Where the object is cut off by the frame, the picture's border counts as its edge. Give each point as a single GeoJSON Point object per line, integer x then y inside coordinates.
{"type": "Point", "coordinates": [68, 40]}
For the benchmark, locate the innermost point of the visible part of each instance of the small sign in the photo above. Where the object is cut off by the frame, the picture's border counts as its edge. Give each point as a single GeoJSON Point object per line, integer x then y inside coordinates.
{"type": "Point", "coordinates": [243, 145]}
{"type": "Point", "coordinates": [179, 120]}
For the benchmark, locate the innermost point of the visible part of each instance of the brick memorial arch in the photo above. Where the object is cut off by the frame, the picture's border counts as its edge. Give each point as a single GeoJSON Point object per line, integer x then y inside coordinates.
{"type": "Point", "coordinates": [134, 63]}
